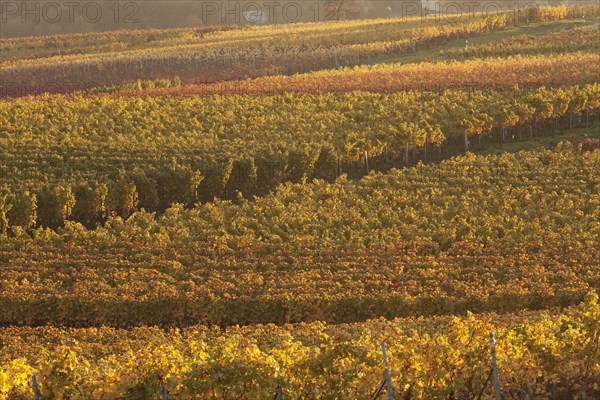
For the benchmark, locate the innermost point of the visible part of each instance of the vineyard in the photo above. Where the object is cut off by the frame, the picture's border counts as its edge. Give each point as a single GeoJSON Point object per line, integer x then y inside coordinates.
{"type": "Point", "coordinates": [249, 212]}
{"type": "Point", "coordinates": [489, 73]}
{"type": "Point", "coordinates": [207, 55]}
{"type": "Point", "coordinates": [148, 154]}
{"type": "Point", "coordinates": [430, 358]}
{"type": "Point", "coordinates": [418, 247]}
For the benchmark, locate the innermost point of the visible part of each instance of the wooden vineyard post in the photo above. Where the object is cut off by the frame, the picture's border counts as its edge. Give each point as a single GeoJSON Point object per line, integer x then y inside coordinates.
{"type": "Point", "coordinates": [587, 115]}
{"type": "Point", "coordinates": [570, 119]}
{"type": "Point", "coordinates": [388, 378]}
{"type": "Point", "coordinates": [385, 156]}
{"type": "Point", "coordinates": [466, 141]}
{"type": "Point", "coordinates": [495, 366]}
{"type": "Point", "coordinates": [367, 161]}
{"type": "Point", "coordinates": [36, 389]}
{"type": "Point", "coordinates": [278, 392]}
{"type": "Point", "coordinates": [163, 391]}
{"type": "Point", "coordinates": [530, 131]}
{"type": "Point", "coordinates": [584, 384]}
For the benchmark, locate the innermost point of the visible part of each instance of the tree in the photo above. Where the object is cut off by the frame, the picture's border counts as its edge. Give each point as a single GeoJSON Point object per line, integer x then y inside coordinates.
{"type": "Point", "coordinates": [122, 197]}
{"type": "Point", "coordinates": [147, 190]}
{"type": "Point", "coordinates": [4, 208]}
{"type": "Point", "coordinates": [326, 164]}
{"type": "Point", "coordinates": [55, 205]}
{"type": "Point", "coordinates": [301, 161]}
{"type": "Point", "coordinates": [270, 168]}
{"type": "Point", "coordinates": [90, 199]}
{"type": "Point", "coordinates": [243, 177]}
{"type": "Point", "coordinates": [217, 174]}
{"type": "Point", "coordinates": [23, 211]}
{"type": "Point", "coordinates": [177, 184]}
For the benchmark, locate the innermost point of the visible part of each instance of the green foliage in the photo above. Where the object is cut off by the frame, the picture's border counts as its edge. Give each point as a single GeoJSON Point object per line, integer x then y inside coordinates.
{"type": "Point", "coordinates": [55, 205]}
{"type": "Point", "coordinates": [23, 212]}
{"type": "Point", "coordinates": [540, 353]}
{"type": "Point", "coordinates": [217, 173]}
{"type": "Point", "coordinates": [243, 177]}
{"type": "Point", "coordinates": [146, 188]}
{"type": "Point", "coordinates": [122, 197]}
{"type": "Point", "coordinates": [326, 165]}
{"type": "Point", "coordinates": [177, 184]}
{"type": "Point", "coordinates": [341, 251]}
{"type": "Point", "coordinates": [301, 160]}
{"type": "Point", "coordinates": [4, 209]}
{"type": "Point", "coordinates": [90, 199]}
